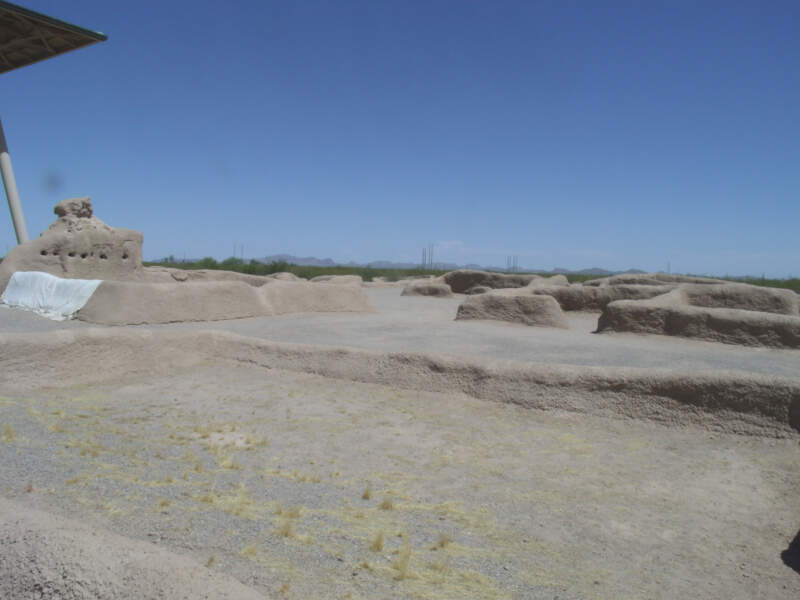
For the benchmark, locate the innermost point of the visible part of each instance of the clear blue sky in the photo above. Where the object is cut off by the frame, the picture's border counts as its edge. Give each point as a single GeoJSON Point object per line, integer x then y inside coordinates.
{"type": "Point", "coordinates": [571, 134]}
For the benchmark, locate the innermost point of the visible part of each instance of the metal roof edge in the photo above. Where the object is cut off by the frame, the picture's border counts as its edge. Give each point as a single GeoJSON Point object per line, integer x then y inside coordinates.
{"type": "Point", "coordinates": [95, 35]}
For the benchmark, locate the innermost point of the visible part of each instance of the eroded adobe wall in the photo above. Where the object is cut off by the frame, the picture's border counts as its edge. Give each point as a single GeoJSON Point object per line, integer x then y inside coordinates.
{"type": "Point", "coordinates": [78, 245]}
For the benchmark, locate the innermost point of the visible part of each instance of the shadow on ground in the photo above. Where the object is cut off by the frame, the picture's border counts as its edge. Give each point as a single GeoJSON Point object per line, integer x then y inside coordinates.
{"type": "Point", "coordinates": [791, 556]}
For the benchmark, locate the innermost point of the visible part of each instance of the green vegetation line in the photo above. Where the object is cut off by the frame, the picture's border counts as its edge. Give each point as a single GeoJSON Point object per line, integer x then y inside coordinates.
{"type": "Point", "coordinates": [254, 267]}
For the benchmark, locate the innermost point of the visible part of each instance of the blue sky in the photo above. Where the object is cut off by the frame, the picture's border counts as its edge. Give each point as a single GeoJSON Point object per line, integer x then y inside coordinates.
{"type": "Point", "coordinates": [572, 134]}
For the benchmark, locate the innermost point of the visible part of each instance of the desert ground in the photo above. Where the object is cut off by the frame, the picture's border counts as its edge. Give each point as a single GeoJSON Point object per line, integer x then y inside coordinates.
{"type": "Point", "coordinates": [391, 454]}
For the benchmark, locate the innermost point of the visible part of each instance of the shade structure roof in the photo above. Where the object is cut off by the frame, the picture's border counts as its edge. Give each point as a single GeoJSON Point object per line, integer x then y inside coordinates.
{"type": "Point", "coordinates": [27, 37]}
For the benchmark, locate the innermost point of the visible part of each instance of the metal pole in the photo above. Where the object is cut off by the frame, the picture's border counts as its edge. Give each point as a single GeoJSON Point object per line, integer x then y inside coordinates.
{"type": "Point", "coordinates": [11, 190]}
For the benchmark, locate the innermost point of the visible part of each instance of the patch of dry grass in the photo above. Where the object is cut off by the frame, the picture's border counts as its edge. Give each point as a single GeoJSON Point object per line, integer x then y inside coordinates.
{"type": "Point", "coordinates": [9, 435]}
{"type": "Point", "coordinates": [402, 561]}
{"type": "Point", "coordinates": [286, 530]}
{"type": "Point", "coordinates": [377, 543]}
{"type": "Point", "coordinates": [443, 541]}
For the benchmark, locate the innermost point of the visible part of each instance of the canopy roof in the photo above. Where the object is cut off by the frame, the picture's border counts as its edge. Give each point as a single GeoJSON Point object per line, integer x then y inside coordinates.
{"type": "Point", "coordinates": [27, 37]}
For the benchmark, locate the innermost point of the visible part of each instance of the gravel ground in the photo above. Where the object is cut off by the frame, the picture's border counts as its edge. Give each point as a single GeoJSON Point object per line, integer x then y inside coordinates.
{"type": "Point", "coordinates": [302, 486]}
{"type": "Point", "coordinates": [291, 483]}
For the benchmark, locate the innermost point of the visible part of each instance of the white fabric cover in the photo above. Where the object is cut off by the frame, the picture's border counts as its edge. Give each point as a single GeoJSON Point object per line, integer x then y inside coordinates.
{"type": "Point", "coordinates": [47, 295]}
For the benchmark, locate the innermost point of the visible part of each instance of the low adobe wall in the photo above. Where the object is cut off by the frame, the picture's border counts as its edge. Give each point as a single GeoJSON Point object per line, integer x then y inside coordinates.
{"type": "Point", "coordinates": [727, 401]}
{"type": "Point", "coordinates": [527, 309]}
{"type": "Point", "coordinates": [463, 279]}
{"type": "Point", "coordinates": [595, 299]}
{"type": "Point", "coordinates": [133, 303]}
{"type": "Point", "coordinates": [674, 314]}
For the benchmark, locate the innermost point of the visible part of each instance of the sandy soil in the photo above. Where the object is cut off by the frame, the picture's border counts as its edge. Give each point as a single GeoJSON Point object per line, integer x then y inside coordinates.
{"type": "Point", "coordinates": [302, 486]}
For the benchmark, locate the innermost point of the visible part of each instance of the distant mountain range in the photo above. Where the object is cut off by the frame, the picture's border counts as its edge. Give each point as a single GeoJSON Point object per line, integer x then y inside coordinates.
{"type": "Point", "coordinates": [388, 264]}
{"type": "Point", "coordinates": [304, 261]}
{"type": "Point", "coordinates": [596, 271]}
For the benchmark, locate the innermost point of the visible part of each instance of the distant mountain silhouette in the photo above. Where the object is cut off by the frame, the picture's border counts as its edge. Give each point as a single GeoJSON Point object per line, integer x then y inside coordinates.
{"type": "Point", "coordinates": [388, 264]}
{"type": "Point", "coordinates": [306, 261]}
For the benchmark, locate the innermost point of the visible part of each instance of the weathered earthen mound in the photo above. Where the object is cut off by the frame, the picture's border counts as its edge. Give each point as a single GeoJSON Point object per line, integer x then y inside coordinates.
{"type": "Point", "coordinates": [285, 276]}
{"type": "Point", "coordinates": [674, 314]}
{"type": "Point", "coordinates": [528, 309]}
{"type": "Point", "coordinates": [595, 298]}
{"type": "Point", "coordinates": [53, 558]}
{"type": "Point", "coordinates": [78, 245]}
{"type": "Point", "coordinates": [650, 279]}
{"type": "Point", "coordinates": [169, 275]}
{"type": "Point", "coordinates": [744, 297]}
{"type": "Point", "coordinates": [427, 287]}
{"type": "Point", "coordinates": [130, 303]}
{"type": "Point", "coordinates": [463, 279]}
{"type": "Point", "coordinates": [339, 279]}
{"type": "Point", "coordinates": [478, 289]}
{"type": "Point", "coordinates": [553, 280]}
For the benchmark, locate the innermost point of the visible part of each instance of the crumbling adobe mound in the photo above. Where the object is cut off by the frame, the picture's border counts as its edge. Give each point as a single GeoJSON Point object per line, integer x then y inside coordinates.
{"type": "Point", "coordinates": [595, 295]}
{"type": "Point", "coordinates": [131, 303]}
{"type": "Point", "coordinates": [478, 289]}
{"type": "Point", "coordinates": [744, 297]}
{"type": "Point", "coordinates": [427, 287]}
{"type": "Point", "coordinates": [463, 279]}
{"type": "Point", "coordinates": [650, 279]}
{"type": "Point", "coordinates": [553, 280]}
{"type": "Point", "coordinates": [514, 308]}
{"type": "Point", "coordinates": [169, 275]}
{"type": "Point", "coordinates": [674, 314]}
{"type": "Point", "coordinates": [285, 276]}
{"type": "Point", "coordinates": [595, 298]}
{"type": "Point", "coordinates": [339, 279]}
{"type": "Point", "coordinates": [78, 245]}
{"type": "Point", "coordinates": [53, 558]}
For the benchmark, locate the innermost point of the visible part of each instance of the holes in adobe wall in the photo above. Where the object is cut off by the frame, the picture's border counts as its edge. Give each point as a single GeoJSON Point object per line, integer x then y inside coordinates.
{"type": "Point", "coordinates": [83, 255]}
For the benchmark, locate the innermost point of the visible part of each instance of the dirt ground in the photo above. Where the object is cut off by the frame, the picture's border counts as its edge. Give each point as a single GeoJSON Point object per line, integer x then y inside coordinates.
{"type": "Point", "coordinates": [405, 323]}
{"type": "Point", "coordinates": [302, 486]}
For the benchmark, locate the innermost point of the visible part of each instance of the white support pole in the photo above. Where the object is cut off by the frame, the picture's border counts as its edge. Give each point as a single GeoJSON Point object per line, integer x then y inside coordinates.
{"type": "Point", "coordinates": [12, 194]}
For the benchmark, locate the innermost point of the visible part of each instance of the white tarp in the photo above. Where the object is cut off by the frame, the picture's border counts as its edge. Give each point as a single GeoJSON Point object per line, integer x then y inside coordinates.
{"type": "Point", "coordinates": [47, 295]}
